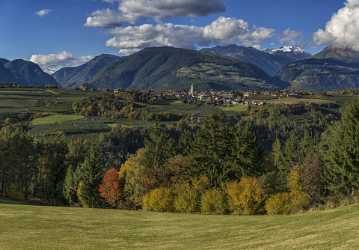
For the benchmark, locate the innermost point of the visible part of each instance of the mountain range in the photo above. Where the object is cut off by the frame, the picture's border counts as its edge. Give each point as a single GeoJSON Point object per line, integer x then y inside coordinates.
{"type": "Point", "coordinates": [271, 61]}
{"type": "Point", "coordinates": [23, 73]}
{"type": "Point", "coordinates": [169, 68]}
{"type": "Point", "coordinates": [220, 68]}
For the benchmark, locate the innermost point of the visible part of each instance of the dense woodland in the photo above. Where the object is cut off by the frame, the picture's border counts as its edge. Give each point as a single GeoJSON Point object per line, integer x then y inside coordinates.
{"type": "Point", "coordinates": [271, 160]}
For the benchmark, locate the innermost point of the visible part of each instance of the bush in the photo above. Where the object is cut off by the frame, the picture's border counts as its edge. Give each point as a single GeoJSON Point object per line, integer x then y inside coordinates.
{"type": "Point", "coordinates": [245, 197]}
{"type": "Point", "coordinates": [187, 199]}
{"type": "Point", "coordinates": [213, 202]}
{"type": "Point", "coordinates": [159, 200]}
{"type": "Point", "coordinates": [299, 201]}
{"type": "Point", "coordinates": [287, 203]}
{"type": "Point", "coordinates": [278, 204]}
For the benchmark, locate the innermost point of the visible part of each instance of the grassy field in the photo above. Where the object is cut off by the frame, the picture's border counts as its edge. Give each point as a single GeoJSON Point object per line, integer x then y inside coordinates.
{"type": "Point", "coordinates": [29, 227]}
{"type": "Point", "coordinates": [239, 108]}
{"type": "Point", "coordinates": [292, 101]}
{"type": "Point", "coordinates": [56, 119]}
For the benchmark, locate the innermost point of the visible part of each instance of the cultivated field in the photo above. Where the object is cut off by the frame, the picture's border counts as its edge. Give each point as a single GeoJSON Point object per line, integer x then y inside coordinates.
{"type": "Point", "coordinates": [29, 227]}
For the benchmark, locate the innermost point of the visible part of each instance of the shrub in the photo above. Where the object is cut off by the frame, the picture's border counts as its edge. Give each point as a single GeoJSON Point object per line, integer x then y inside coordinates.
{"type": "Point", "coordinates": [299, 201]}
{"type": "Point", "coordinates": [287, 203]}
{"type": "Point", "coordinates": [187, 199]}
{"type": "Point", "coordinates": [213, 202]}
{"type": "Point", "coordinates": [246, 196]}
{"type": "Point", "coordinates": [278, 204]}
{"type": "Point", "coordinates": [159, 200]}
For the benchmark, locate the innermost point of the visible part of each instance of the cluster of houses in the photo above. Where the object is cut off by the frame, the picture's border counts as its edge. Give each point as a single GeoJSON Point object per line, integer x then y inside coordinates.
{"type": "Point", "coordinates": [222, 98]}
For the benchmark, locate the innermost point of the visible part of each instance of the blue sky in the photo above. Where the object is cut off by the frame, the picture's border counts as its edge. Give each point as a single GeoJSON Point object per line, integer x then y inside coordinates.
{"type": "Point", "coordinates": [23, 33]}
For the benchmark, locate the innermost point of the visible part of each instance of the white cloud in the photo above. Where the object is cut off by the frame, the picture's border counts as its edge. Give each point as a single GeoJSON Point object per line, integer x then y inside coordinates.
{"type": "Point", "coordinates": [342, 30]}
{"type": "Point", "coordinates": [50, 63]}
{"type": "Point", "coordinates": [222, 31]}
{"type": "Point", "coordinates": [129, 11]}
{"type": "Point", "coordinates": [290, 37]}
{"type": "Point", "coordinates": [43, 12]}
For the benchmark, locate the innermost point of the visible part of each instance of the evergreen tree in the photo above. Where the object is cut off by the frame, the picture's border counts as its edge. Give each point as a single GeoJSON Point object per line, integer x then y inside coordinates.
{"type": "Point", "coordinates": [69, 186]}
{"type": "Point", "coordinates": [340, 153]}
{"type": "Point", "coordinates": [90, 175]}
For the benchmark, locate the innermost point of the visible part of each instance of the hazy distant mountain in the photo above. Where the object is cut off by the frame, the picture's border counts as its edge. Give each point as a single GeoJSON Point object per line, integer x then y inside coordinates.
{"type": "Point", "coordinates": [24, 73]}
{"type": "Point", "coordinates": [172, 68]}
{"type": "Point", "coordinates": [271, 61]}
{"type": "Point", "coordinates": [76, 76]}
{"type": "Point", "coordinates": [345, 55]}
{"type": "Point", "coordinates": [321, 74]}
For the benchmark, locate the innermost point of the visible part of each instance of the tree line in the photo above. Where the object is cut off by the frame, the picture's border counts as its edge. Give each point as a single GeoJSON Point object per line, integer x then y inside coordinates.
{"type": "Point", "coordinates": [266, 161]}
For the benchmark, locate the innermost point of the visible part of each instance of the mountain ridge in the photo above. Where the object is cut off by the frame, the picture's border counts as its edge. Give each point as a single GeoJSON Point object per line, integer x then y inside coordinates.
{"type": "Point", "coordinates": [270, 61]}
{"type": "Point", "coordinates": [23, 73]}
{"type": "Point", "coordinates": [175, 68]}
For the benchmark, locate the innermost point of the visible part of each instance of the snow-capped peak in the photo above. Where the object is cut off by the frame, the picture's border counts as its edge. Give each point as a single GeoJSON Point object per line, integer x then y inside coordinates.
{"type": "Point", "coordinates": [287, 49]}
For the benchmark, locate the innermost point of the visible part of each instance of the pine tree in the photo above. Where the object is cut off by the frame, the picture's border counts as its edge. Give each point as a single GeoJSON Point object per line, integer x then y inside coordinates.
{"type": "Point", "coordinates": [69, 186]}
{"type": "Point", "coordinates": [340, 153]}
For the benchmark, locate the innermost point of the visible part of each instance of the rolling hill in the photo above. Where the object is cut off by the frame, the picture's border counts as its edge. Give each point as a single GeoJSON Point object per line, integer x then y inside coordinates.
{"type": "Point", "coordinates": [163, 68]}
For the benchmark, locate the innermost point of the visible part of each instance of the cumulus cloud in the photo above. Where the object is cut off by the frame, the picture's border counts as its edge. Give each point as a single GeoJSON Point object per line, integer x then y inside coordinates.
{"type": "Point", "coordinates": [222, 31]}
{"type": "Point", "coordinates": [342, 30]}
{"type": "Point", "coordinates": [129, 11]}
{"type": "Point", "coordinates": [50, 63]}
{"type": "Point", "coordinates": [43, 12]}
{"type": "Point", "coordinates": [290, 37]}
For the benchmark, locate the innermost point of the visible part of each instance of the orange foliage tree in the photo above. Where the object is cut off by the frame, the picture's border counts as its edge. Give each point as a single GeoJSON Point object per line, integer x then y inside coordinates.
{"type": "Point", "coordinates": [110, 187]}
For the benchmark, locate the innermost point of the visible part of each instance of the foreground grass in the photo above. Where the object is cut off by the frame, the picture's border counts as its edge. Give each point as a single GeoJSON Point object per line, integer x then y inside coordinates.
{"type": "Point", "coordinates": [28, 227]}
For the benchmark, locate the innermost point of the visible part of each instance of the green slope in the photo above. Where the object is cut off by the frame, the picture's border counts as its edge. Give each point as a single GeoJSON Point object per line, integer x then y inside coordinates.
{"type": "Point", "coordinates": [28, 227]}
{"type": "Point", "coordinates": [172, 68]}
{"type": "Point", "coordinates": [321, 75]}
{"type": "Point", "coordinates": [342, 54]}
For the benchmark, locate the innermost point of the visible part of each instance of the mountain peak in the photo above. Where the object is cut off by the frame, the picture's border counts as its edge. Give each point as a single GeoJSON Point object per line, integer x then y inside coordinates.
{"type": "Point", "coordinates": [287, 49]}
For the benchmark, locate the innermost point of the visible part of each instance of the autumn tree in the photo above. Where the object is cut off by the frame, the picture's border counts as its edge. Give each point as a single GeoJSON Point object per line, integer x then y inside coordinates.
{"type": "Point", "coordinates": [110, 187]}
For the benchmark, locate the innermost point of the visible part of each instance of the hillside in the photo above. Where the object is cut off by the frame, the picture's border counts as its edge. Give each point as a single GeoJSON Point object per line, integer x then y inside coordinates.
{"type": "Point", "coordinates": [76, 76]}
{"type": "Point", "coordinates": [321, 75]}
{"type": "Point", "coordinates": [23, 73]}
{"type": "Point", "coordinates": [341, 54]}
{"type": "Point", "coordinates": [29, 227]}
{"type": "Point", "coordinates": [271, 61]}
{"type": "Point", "coordinates": [172, 68]}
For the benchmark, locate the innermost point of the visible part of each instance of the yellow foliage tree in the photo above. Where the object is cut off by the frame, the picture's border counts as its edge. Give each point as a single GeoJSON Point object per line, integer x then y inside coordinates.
{"type": "Point", "coordinates": [246, 196]}
{"type": "Point", "coordinates": [290, 202]}
{"type": "Point", "coordinates": [135, 178]}
{"type": "Point", "coordinates": [159, 200]}
{"type": "Point", "coordinates": [187, 199]}
{"type": "Point", "coordinates": [213, 202]}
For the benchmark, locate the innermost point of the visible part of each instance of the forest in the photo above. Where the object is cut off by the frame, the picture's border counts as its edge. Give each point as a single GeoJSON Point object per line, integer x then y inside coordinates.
{"type": "Point", "coordinates": [277, 159]}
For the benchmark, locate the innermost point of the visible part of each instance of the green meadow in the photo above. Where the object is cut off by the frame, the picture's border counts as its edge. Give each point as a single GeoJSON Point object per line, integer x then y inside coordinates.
{"type": "Point", "coordinates": [32, 227]}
